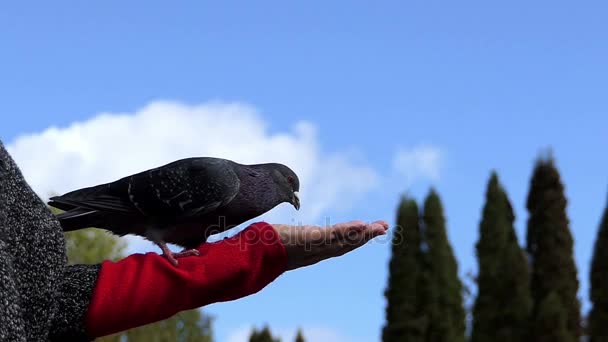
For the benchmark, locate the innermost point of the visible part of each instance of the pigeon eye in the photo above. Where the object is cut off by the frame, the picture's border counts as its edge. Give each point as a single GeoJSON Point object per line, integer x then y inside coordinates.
{"type": "Point", "coordinates": [290, 179]}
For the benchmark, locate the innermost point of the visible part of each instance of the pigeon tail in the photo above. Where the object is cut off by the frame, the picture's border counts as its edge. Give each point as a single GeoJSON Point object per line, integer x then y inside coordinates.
{"type": "Point", "coordinates": [78, 218]}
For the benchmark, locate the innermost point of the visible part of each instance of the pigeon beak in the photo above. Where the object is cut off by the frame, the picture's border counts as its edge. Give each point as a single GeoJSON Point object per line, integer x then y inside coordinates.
{"type": "Point", "coordinates": [295, 200]}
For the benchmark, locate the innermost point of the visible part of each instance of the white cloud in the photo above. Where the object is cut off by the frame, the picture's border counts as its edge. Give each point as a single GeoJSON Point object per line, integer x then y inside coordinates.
{"type": "Point", "coordinates": [421, 162]}
{"type": "Point", "coordinates": [311, 333]}
{"type": "Point", "coordinates": [112, 145]}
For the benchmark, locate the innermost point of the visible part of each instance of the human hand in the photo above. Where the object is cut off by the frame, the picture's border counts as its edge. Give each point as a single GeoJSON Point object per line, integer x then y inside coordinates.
{"type": "Point", "coordinates": [307, 245]}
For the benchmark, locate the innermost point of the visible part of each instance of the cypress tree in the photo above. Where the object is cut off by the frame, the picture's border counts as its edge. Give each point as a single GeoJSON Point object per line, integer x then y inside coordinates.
{"type": "Point", "coordinates": [503, 303]}
{"type": "Point", "coordinates": [444, 305]}
{"type": "Point", "coordinates": [404, 311]}
{"type": "Point", "coordinates": [549, 245]}
{"type": "Point", "coordinates": [299, 336]}
{"type": "Point", "coordinates": [263, 335]}
{"type": "Point", "coordinates": [598, 317]}
{"type": "Point", "coordinates": [550, 322]}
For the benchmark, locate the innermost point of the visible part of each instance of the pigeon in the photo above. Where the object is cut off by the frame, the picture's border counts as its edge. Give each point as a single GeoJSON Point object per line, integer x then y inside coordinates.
{"type": "Point", "coordinates": [183, 202]}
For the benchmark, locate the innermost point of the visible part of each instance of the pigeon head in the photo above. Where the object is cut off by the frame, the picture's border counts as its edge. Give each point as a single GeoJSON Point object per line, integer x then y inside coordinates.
{"type": "Point", "coordinates": [287, 183]}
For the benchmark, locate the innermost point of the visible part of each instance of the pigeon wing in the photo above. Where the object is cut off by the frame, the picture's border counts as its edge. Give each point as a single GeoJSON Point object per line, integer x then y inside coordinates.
{"type": "Point", "coordinates": [185, 188]}
{"type": "Point", "coordinates": [105, 197]}
{"type": "Point", "coordinates": [191, 187]}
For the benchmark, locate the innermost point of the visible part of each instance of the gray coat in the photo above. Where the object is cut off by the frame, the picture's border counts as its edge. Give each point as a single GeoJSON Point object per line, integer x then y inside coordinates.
{"type": "Point", "coordinates": [41, 297]}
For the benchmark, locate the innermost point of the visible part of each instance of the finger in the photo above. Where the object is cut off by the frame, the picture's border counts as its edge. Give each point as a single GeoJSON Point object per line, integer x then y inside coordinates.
{"type": "Point", "coordinates": [356, 234]}
{"type": "Point", "coordinates": [356, 225]}
{"type": "Point", "coordinates": [381, 222]}
{"type": "Point", "coordinates": [352, 230]}
{"type": "Point", "coordinates": [340, 244]}
{"type": "Point", "coordinates": [373, 230]}
{"type": "Point", "coordinates": [355, 239]}
{"type": "Point", "coordinates": [337, 232]}
{"type": "Point", "coordinates": [378, 228]}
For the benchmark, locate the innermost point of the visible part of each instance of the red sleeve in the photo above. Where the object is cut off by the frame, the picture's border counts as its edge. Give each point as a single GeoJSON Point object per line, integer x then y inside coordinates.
{"type": "Point", "coordinates": [146, 288]}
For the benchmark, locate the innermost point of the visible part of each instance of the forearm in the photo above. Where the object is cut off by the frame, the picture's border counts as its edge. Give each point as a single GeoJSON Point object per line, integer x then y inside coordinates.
{"type": "Point", "coordinates": [142, 289]}
{"type": "Point", "coordinates": [72, 300]}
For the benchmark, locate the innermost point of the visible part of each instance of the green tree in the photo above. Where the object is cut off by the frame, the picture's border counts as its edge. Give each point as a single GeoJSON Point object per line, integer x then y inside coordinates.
{"type": "Point", "coordinates": [598, 317]}
{"type": "Point", "coordinates": [92, 246]}
{"type": "Point", "coordinates": [186, 326]}
{"type": "Point", "coordinates": [263, 335]}
{"type": "Point", "coordinates": [444, 305]}
{"type": "Point", "coordinates": [299, 336]}
{"type": "Point", "coordinates": [549, 246]}
{"type": "Point", "coordinates": [550, 322]}
{"type": "Point", "coordinates": [503, 304]}
{"type": "Point", "coordinates": [405, 320]}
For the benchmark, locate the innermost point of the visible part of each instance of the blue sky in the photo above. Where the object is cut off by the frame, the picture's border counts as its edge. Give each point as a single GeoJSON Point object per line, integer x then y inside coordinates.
{"type": "Point", "coordinates": [489, 85]}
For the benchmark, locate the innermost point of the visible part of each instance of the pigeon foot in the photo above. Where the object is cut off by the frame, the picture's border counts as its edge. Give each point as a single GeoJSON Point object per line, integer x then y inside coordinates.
{"type": "Point", "coordinates": [172, 257]}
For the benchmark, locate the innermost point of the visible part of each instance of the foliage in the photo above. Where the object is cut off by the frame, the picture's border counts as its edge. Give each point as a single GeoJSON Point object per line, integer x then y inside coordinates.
{"type": "Point", "coordinates": [405, 319]}
{"type": "Point", "coordinates": [503, 303]}
{"type": "Point", "coordinates": [444, 304]}
{"type": "Point", "coordinates": [263, 335]}
{"type": "Point", "coordinates": [550, 248]}
{"type": "Point", "coordinates": [598, 317]}
{"type": "Point", "coordinates": [299, 336]}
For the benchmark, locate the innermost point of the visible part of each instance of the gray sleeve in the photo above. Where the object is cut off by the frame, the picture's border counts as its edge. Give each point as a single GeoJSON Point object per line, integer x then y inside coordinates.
{"type": "Point", "coordinates": [72, 301]}
{"type": "Point", "coordinates": [41, 298]}
{"type": "Point", "coordinates": [12, 326]}
{"type": "Point", "coordinates": [32, 257]}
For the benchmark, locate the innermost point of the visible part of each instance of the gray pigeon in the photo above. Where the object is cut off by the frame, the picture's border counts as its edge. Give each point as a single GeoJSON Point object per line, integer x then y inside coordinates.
{"type": "Point", "coordinates": [183, 202]}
